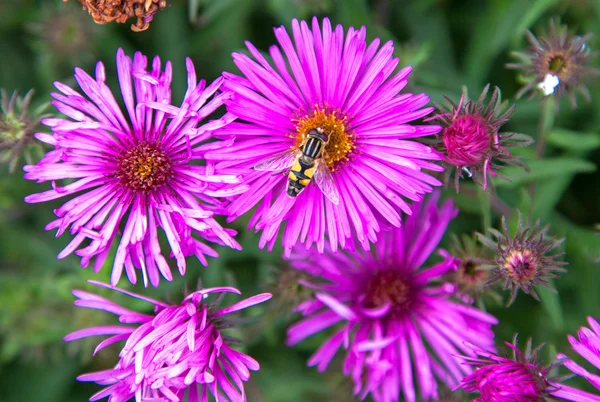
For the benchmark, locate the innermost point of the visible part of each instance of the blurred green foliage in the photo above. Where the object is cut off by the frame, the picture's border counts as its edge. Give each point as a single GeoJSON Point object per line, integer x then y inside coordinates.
{"type": "Point", "coordinates": [450, 43]}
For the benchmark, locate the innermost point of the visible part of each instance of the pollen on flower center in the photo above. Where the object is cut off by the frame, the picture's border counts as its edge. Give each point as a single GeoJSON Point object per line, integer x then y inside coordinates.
{"type": "Point", "coordinates": [521, 265]}
{"type": "Point", "coordinates": [389, 287]}
{"type": "Point", "coordinates": [467, 140]}
{"type": "Point", "coordinates": [341, 142]}
{"type": "Point", "coordinates": [144, 167]}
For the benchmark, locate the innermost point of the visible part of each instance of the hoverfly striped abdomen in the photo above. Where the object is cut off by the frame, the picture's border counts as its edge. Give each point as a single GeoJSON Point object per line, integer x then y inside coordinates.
{"type": "Point", "coordinates": [303, 164]}
{"type": "Point", "coordinates": [303, 169]}
{"type": "Point", "coordinates": [300, 175]}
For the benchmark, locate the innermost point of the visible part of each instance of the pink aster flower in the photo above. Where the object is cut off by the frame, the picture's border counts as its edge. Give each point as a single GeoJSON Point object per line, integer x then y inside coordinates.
{"type": "Point", "coordinates": [587, 345]}
{"type": "Point", "coordinates": [396, 319]}
{"type": "Point", "coordinates": [326, 148]}
{"type": "Point", "coordinates": [139, 172]}
{"type": "Point", "coordinates": [518, 377]}
{"type": "Point", "coordinates": [471, 140]}
{"type": "Point", "coordinates": [177, 349]}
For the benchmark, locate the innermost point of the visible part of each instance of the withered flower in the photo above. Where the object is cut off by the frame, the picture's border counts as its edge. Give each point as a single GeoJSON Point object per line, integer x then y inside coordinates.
{"type": "Point", "coordinates": [289, 289]}
{"type": "Point", "coordinates": [523, 261]}
{"type": "Point", "coordinates": [470, 140]}
{"type": "Point", "coordinates": [474, 270]}
{"type": "Point", "coordinates": [555, 64]}
{"type": "Point", "coordinates": [17, 126]}
{"type": "Point", "coordinates": [105, 11]}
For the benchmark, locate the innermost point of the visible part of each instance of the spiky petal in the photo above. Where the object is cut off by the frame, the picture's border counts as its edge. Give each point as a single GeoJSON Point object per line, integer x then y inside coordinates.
{"type": "Point", "coordinates": [555, 64]}
{"type": "Point", "coordinates": [471, 140]}
{"type": "Point", "coordinates": [523, 261]}
{"type": "Point", "coordinates": [17, 126]}
{"type": "Point", "coordinates": [518, 377]}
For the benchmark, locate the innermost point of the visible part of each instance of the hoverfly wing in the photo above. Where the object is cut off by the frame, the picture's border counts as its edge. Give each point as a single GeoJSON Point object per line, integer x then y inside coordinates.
{"type": "Point", "coordinates": [325, 182]}
{"type": "Point", "coordinates": [278, 162]}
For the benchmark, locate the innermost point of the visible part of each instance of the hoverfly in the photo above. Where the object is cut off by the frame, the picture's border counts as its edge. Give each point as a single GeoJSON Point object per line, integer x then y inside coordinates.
{"type": "Point", "coordinates": [304, 164]}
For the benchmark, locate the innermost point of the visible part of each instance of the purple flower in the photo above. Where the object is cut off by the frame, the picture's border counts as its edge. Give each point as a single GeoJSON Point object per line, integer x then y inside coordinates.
{"type": "Point", "coordinates": [396, 319]}
{"type": "Point", "coordinates": [587, 346]}
{"type": "Point", "coordinates": [341, 104]}
{"type": "Point", "coordinates": [142, 170]}
{"type": "Point", "coordinates": [170, 351]}
{"type": "Point", "coordinates": [471, 141]}
{"type": "Point", "coordinates": [520, 377]}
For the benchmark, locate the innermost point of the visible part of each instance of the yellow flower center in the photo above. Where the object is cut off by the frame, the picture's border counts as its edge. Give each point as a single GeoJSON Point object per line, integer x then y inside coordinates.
{"type": "Point", "coordinates": [341, 142]}
{"type": "Point", "coordinates": [521, 265]}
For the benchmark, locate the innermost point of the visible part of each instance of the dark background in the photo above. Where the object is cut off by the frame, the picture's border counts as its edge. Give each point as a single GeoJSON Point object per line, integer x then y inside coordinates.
{"type": "Point", "coordinates": [449, 43]}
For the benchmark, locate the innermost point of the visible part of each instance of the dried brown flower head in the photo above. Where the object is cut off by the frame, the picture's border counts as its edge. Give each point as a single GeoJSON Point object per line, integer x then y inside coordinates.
{"type": "Point", "coordinates": [289, 289]}
{"type": "Point", "coordinates": [105, 11]}
{"type": "Point", "coordinates": [472, 275]}
{"type": "Point", "coordinates": [555, 64]}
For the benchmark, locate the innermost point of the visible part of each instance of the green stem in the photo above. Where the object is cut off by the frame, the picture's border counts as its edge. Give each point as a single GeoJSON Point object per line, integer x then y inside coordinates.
{"type": "Point", "coordinates": [499, 206]}
{"type": "Point", "coordinates": [545, 125]}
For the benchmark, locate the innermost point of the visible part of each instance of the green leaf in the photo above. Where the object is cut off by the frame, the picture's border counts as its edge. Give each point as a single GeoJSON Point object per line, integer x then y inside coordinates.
{"type": "Point", "coordinates": [501, 21]}
{"type": "Point", "coordinates": [550, 168]}
{"type": "Point", "coordinates": [54, 380]}
{"type": "Point", "coordinates": [465, 203]}
{"type": "Point", "coordinates": [194, 9]}
{"type": "Point", "coordinates": [573, 140]}
{"type": "Point", "coordinates": [430, 25]}
{"type": "Point", "coordinates": [548, 193]}
{"type": "Point", "coordinates": [525, 202]}
{"type": "Point", "coordinates": [552, 306]}
{"type": "Point", "coordinates": [582, 247]}
{"type": "Point", "coordinates": [171, 38]}
{"type": "Point", "coordinates": [530, 16]}
{"type": "Point", "coordinates": [355, 13]}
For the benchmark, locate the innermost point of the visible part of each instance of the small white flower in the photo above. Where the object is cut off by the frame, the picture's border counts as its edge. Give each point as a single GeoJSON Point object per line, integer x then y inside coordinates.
{"type": "Point", "coordinates": [549, 84]}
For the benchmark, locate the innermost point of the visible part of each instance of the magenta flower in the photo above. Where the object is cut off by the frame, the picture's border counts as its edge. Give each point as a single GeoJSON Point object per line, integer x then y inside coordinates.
{"type": "Point", "coordinates": [141, 171]}
{"type": "Point", "coordinates": [587, 346]}
{"type": "Point", "coordinates": [340, 107]}
{"type": "Point", "coordinates": [520, 377]}
{"type": "Point", "coordinates": [170, 352]}
{"type": "Point", "coordinates": [397, 320]}
{"type": "Point", "coordinates": [471, 140]}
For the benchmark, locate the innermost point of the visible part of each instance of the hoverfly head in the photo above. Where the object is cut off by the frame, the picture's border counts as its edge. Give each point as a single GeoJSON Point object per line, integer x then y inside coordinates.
{"type": "Point", "coordinates": [319, 133]}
